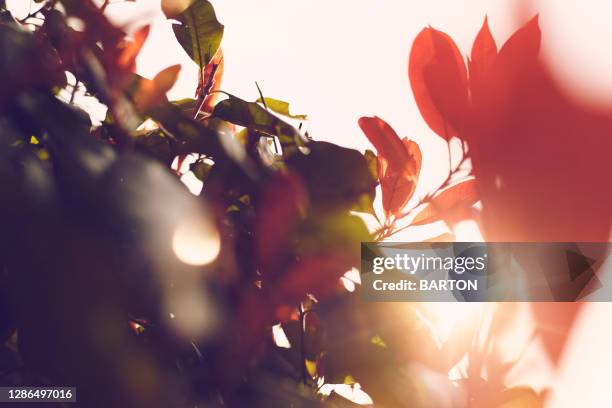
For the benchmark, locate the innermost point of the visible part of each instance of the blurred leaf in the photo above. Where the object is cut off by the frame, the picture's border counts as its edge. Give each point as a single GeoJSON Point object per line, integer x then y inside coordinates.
{"type": "Point", "coordinates": [339, 230]}
{"type": "Point", "coordinates": [554, 322]}
{"type": "Point", "coordinates": [150, 94]}
{"type": "Point", "coordinates": [520, 397]}
{"type": "Point", "coordinates": [187, 105]}
{"type": "Point", "coordinates": [377, 341]}
{"type": "Point", "coordinates": [156, 144]}
{"type": "Point", "coordinates": [315, 273]}
{"type": "Point", "coordinates": [200, 32]}
{"type": "Point", "coordinates": [349, 380]}
{"type": "Point", "coordinates": [201, 169]}
{"type": "Point", "coordinates": [365, 203]}
{"type": "Point", "coordinates": [127, 58]}
{"type": "Point", "coordinates": [26, 65]}
{"type": "Point", "coordinates": [280, 107]}
{"type": "Point", "coordinates": [446, 237]}
{"type": "Point", "coordinates": [282, 206]}
{"type": "Point", "coordinates": [335, 177]}
{"type": "Point", "coordinates": [311, 367]}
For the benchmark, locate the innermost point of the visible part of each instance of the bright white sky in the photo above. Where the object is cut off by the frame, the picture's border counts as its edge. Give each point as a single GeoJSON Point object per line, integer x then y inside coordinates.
{"type": "Point", "coordinates": [341, 59]}
{"type": "Point", "coordinates": [337, 60]}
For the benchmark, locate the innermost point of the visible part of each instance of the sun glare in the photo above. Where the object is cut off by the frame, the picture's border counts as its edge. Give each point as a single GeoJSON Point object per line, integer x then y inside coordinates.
{"type": "Point", "coordinates": [196, 243]}
{"type": "Point", "coordinates": [444, 317]}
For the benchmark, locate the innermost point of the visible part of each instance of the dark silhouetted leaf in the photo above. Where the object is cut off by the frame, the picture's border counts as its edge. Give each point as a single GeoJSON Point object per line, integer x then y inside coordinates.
{"type": "Point", "coordinates": [156, 144]}
{"type": "Point", "coordinates": [335, 177]}
{"type": "Point", "coordinates": [201, 169]}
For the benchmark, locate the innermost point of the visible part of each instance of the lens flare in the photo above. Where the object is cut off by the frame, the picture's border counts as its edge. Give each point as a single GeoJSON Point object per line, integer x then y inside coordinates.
{"type": "Point", "coordinates": [445, 316]}
{"type": "Point", "coordinates": [196, 243]}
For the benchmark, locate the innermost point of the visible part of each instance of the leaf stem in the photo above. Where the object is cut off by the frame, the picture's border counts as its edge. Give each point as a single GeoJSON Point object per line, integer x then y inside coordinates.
{"type": "Point", "coordinates": [302, 344]}
{"type": "Point", "coordinates": [386, 231]}
{"type": "Point", "coordinates": [74, 91]}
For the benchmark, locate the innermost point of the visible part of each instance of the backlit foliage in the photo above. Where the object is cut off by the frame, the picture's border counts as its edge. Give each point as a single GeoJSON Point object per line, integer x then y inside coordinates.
{"type": "Point", "coordinates": [117, 280]}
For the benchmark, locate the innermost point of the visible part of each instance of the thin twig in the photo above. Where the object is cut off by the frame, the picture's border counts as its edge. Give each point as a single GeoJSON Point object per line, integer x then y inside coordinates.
{"type": "Point", "coordinates": [263, 100]}
{"type": "Point", "coordinates": [387, 230]}
{"type": "Point", "coordinates": [302, 344]}
{"type": "Point", "coordinates": [74, 91]}
{"type": "Point", "coordinates": [104, 6]}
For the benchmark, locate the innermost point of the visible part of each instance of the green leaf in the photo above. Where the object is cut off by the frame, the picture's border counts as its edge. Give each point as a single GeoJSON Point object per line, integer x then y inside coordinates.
{"type": "Point", "coordinates": [156, 144]}
{"type": "Point", "coordinates": [377, 341]}
{"type": "Point", "coordinates": [201, 169]}
{"type": "Point", "coordinates": [200, 32]}
{"type": "Point", "coordinates": [280, 107]}
{"type": "Point", "coordinates": [365, 202]}
{"type": "Point", "coordinates": [371, 158]}
{"type": "Point", "coordinates": [338, 230]}
{"type": "Point", "coordinates": [251, 115]}
{"type": "Point", "coordinates": [187, 105]}
{"type": "Point", "coordinates": [335, 177]}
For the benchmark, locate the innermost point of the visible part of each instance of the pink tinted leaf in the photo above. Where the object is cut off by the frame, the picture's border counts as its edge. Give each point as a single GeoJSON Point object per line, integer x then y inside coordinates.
{"type": "Point", "coordinates": [449, 202]}
{"type": "Point", "coordinates": [484, 50]}
{"type": "Point", "coordinates": [523, 45]}
{"type": "Point", "coordinates": [554, 323]}
{"type": "Point", "coordinates": [438, 79]}
{"type": "Point", "coordinates": [484, 54]}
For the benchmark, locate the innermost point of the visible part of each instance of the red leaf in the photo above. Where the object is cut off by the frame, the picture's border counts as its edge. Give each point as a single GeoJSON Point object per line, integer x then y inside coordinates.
{"type": "Point", "coordinates": [523, 46]}
{"type": "Point", "coordinates": [384, 138]}
{"type": "Point", "coordinates": [414, 164]}
{"type": "Point", "coordinates": [166, 79]}
{"type": "Point", "coordinates": [554, 323]}
{"type": "Point", "coordinates": [152, 93]}
{"type": "Point", "coordinates": [284, 200]}
{"type": "Point", "coordinates": [438, 79]}
{"type": "Point", "coordinates": [317, 274]}
{"type": "Point", "coordinates": [484, 54]}
{"type": "Point", "coordinates": [209, 82]}
{"type": "Point", "coordinates": [399, 163]}
{"type": "Point", "coordinates": [127, 58]}
{"type": "Point", "coordinates": [451, 201]}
